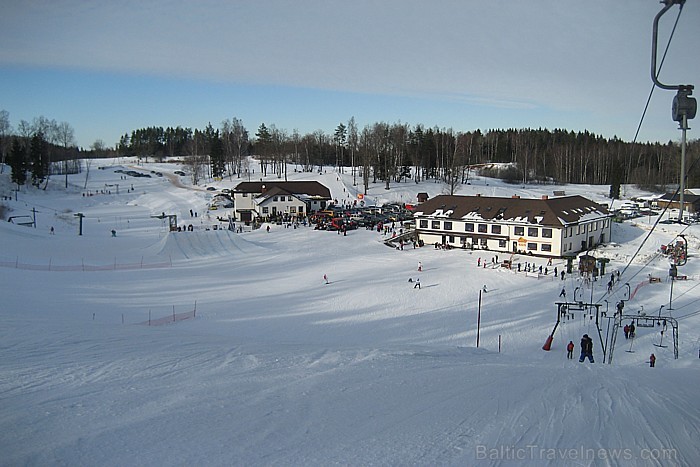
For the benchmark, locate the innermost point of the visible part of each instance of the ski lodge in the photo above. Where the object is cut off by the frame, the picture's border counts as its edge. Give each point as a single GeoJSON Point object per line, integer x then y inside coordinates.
{"type": "Point", "coordinates": [272, 199]}
{"type": "Point", "coordinates": [549, 227]}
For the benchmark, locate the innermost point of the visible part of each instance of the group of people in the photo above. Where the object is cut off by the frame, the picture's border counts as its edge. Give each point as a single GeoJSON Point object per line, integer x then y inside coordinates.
{"type": "Point", "coordinates": [587, 350]}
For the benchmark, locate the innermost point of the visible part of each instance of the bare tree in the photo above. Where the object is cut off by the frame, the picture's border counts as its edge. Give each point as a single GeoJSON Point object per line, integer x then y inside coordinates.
{"type": "Point", "coordinates": [352, 146]}
{"type": "Point", "coordinates": [66, 136]}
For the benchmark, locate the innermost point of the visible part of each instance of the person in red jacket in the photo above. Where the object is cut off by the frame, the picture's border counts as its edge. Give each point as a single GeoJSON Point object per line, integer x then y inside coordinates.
{"type": "Point", "coordinates": [570, 349]}
{"type": "Point", "coordinates": [652, 360]}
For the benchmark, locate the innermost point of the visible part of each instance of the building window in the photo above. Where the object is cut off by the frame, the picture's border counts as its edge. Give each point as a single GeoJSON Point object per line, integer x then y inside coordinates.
{"type": "Point", "coordinates": [469, 227]}
{"type": "Point", "coordinates": [483, 242]}
{"type": "Point", "coordinates": [274, 198]}
{"type": "Point", "coordinates": [266, 210]}
{"type": "Point", "coordinates": [483, 228]}
{"type": "Point", "coordinates": [451, 239]}
{"type": "Point", "coordinates": [578, 230]}
{"type": "Point", "coordinates": [423, 224]}
{"type": "Point", "coordinates": [301, 209]}
{"type": "Point", "coordinates": [447, 225]}
{"type": "Point", "coordinates": [546, 247]}
{"type": "Point", "coordinates": [519, 231]}
{"type": "Point", "coordinates": [292, 209]}
{"type": "Point", "coordinates": [435, 225]}
{"type": "Point", "coordinates": [245, 195]}
{"type": "Point", "coordinates": [532, 246]}
{"type": "Point", "coordinates": [547, 233]}
{"type": "Point", "coordinates": [495, 229]}
{"type": "Point", "coordinates": [501, 243]}
{"type": "Point", "coordinates": [532, 231]}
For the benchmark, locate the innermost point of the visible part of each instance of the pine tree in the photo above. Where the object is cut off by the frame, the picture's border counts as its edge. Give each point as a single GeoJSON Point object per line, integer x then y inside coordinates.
{"type": "Point", "coordinates": [39, 158]}
{"type": "Point", "coordinates": [216, 155]}
{"type": "Point", "coordinates": [17, 160]}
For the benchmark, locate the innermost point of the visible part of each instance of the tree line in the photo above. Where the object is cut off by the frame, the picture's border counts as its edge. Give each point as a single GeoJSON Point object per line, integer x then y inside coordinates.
{"type": "Point", "coordinates": [380, 152]}
{"type": "Point", "coordinates": [38, 149]}
{"type": "Point", "coordinates": [399, 152]}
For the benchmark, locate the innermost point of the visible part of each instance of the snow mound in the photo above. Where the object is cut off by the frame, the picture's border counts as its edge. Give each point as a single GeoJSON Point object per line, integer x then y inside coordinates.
{"type": "Point", "coordinates": [203, 244]}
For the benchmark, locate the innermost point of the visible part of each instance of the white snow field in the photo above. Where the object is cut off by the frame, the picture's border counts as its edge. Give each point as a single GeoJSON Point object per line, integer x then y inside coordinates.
{"type": "Point", "coordinates": [265, 364]}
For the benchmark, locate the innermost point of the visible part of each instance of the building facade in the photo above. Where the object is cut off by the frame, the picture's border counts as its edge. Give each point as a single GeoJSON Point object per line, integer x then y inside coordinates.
{"type": "Point", "coordinates": [271, 199]}
{"type": "Point", "coordinates": [547, 227]}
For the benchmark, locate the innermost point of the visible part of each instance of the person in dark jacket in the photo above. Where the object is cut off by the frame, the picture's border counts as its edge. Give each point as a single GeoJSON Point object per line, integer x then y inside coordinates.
{"type": "Point", "coordinates": [652, 360]}
{"type": "Point", "coordinates": [586, 349]}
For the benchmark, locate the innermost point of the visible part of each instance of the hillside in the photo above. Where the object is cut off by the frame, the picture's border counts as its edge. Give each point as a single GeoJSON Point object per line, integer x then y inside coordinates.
{"type": "Point", "coordinates": [277, 367]}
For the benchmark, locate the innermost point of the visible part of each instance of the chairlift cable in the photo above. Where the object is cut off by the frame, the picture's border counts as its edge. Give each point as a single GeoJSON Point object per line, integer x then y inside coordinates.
{"type": "Point", "coordinates": [653, 85]}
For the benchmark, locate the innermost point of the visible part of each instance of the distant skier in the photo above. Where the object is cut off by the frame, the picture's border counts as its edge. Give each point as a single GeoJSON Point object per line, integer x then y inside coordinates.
{"type": "Point", "coordinates": [586, 349]}
{"type": "Point", "coordinates": [570, 350]}
{"type": "Point", "coordinates": [325, 278]}
{"type": "Point", "coordinates": [632, 328]}
{"type": "Point", "coordinates": [652, 360]}
{"type": "Point", "coordinates": [563, 293]}
{"type": "Point", "coordinates": [485, 289]}
{"type": "Point", "coordinates": [626, 329]}
{"type": "Point", "coordinates": [417, 283]}
{"type": "Point", "coordinates": [420, 266]}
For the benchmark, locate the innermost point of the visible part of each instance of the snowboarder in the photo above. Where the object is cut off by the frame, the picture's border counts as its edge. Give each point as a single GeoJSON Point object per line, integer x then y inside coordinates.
{"type": "Point", "coordinates": [570, 350]}
{"type": "Point", "coordinates": [417, 283]}
{"type": "Point", "coordinates": [485, 289]}
{"type": "Point", "coordinates": [325, 278]}
{"type": "Point", "coordinates": [586, 349]}
{"type": "Point", "coordinates": [563, 293]}
{"type": "Point", "coordinates": [652, 360]}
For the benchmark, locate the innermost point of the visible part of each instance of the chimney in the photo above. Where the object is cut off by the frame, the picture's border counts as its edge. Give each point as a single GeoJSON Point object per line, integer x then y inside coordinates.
{"type": "Point", "coordinates": [545, 197]}
{"type": "Point", "coordinates": [264, 188]}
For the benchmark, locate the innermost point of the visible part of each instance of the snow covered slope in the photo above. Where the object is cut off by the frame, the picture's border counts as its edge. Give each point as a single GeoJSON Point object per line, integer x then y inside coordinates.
{"type": "Point", "coordinates": [277, 367]}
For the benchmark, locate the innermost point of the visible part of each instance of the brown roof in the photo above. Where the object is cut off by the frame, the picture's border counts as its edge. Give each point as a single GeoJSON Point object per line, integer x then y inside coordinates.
{"type": "Point", "coordinates": [311, 188]}
{"type": "Point", "coordinates": [543, 211]}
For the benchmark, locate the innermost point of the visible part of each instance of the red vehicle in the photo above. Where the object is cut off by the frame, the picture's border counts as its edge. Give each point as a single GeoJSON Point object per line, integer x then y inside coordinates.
{"type": "Point", "coordinates": [340, 223]}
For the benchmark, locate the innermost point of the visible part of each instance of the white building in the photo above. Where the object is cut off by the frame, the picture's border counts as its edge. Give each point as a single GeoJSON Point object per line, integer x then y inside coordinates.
{"type": "Point", "coordinates": [272, 199]}
{"type": "Point", "coordinates": [553, 227]}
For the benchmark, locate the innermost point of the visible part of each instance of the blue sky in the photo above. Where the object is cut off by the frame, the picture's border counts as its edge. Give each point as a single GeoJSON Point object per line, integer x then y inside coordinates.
{"type": "Point", "coordinates": [110, 67]}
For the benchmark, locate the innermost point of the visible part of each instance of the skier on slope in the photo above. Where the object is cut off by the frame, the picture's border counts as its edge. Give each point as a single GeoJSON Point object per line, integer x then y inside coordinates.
{"type": "Point", "coordinates": [586, 349]}
{"type": "Point", "coordinates": [570, 350]}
